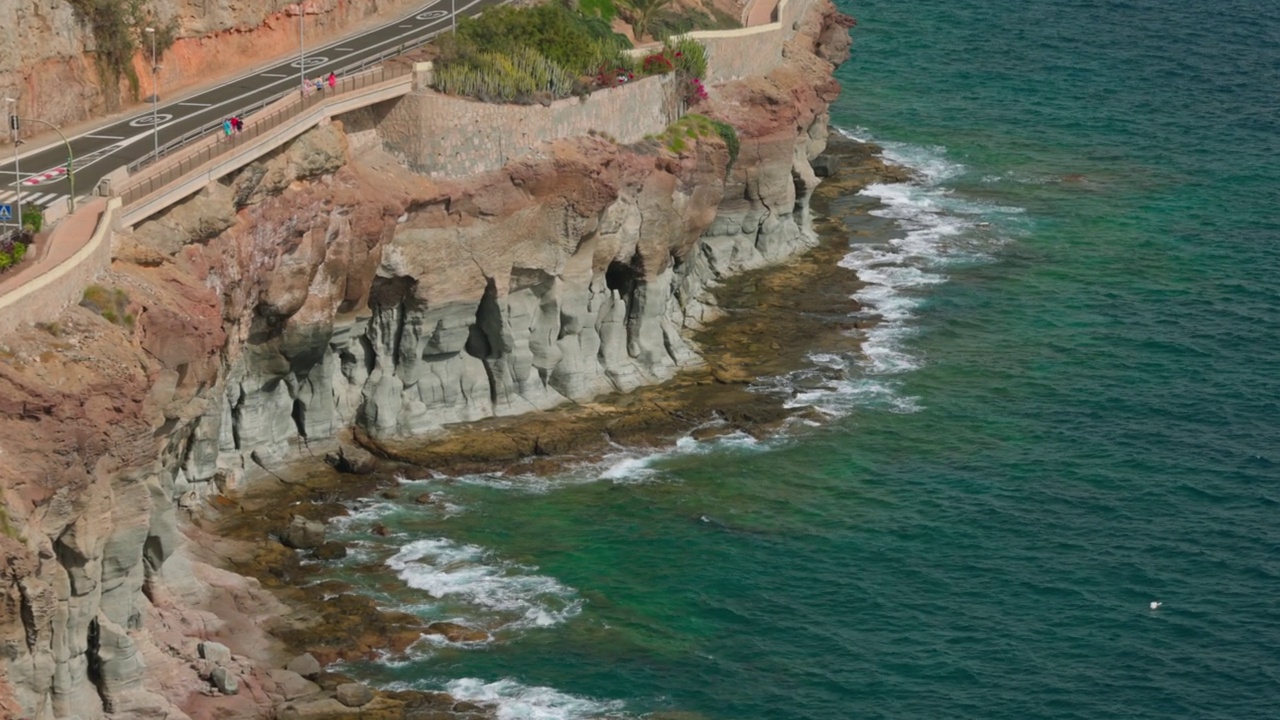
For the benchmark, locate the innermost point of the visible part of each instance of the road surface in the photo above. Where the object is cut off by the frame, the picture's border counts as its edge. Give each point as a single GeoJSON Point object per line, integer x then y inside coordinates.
{"type": "Point", "coordinates": [98, 151]}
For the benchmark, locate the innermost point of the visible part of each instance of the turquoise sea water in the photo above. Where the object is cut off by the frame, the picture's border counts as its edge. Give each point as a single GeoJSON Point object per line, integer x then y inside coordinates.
{"type": "Point", "coordinates": [1070, 409]}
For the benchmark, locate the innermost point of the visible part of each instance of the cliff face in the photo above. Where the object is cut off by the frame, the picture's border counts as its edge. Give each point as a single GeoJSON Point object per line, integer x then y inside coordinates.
{"type": "Point", "coordinates": [328, 288]}
{"type": "Point", "coordinates": [48, 48]}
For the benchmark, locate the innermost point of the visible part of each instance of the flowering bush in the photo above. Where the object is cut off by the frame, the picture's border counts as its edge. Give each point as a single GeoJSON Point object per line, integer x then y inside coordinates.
{"type": "Point", "coordinates": [12, 250]}
{"type": "Point", "coordinates": [613, 76]}
{"type": "Point", "coordinates": [657, 64]}
{"type": "Point", "coordinates": [695, 91]}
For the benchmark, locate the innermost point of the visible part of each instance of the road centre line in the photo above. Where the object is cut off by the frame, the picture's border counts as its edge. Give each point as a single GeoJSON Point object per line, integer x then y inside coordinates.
{"type": "Point", "coordinates": [104, 137]}
{"type": "Point", "coordinates": [192, 104]}
{"type": "Point", "coordinates": [370, 49]}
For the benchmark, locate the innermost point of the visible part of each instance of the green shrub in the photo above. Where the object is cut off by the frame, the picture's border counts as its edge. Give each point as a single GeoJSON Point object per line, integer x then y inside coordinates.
{"type": "Point", "coordinates": [603, 9]}
{"type": "Point", "coordinates": [117, 27]}
{"type": "Point", "coordinates": [513, 54]}
{"type": "Point", "coordinates": [730, 137]}
{"type": "Point", "coordinates": [699, 126]}
{"type": "Point", "coordinates": [32, 218]}
{"type": "Point", "coordinates": [689, 56]}
{"type": "Point", "coordinates": [112, 305]}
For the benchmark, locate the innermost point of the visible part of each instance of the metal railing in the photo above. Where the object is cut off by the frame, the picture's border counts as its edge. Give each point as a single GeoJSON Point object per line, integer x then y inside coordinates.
{"type": "Point", "coordinates": [256, 123]}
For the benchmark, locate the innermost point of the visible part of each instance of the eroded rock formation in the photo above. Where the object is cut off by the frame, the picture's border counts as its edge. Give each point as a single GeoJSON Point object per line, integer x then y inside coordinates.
{"type": "Point", "coordinates": [329, 288]}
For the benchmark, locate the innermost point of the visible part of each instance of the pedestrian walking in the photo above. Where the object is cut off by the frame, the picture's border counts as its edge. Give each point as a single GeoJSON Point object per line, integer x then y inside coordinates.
{"type": "Point", "coordinates": [226, 127]}
{"type": "Point", "coordinates": [333, 81]}
{"type": "Point", "coordinates": [237, 124]}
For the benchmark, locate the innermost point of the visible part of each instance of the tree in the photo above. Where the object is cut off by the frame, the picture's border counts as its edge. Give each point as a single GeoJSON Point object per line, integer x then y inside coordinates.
{"type": "Point", "coordinates": [642, 13]}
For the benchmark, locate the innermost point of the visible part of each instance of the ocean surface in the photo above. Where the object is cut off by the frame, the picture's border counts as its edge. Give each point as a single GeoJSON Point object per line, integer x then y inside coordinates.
{"type": "Point", "coordinates": [1069, 410]}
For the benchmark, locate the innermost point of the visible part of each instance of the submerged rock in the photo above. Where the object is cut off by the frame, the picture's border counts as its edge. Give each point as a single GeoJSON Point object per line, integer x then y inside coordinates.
{"type": "Point", "coordinates": [455, 632]}
{"type": "Point", "coordinates": [303, 534]}
{"type": "Point", "coordinates": [330, 551]}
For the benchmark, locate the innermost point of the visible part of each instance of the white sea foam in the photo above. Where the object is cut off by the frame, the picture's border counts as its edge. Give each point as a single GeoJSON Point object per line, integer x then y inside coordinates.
{"type": "Point", "coordinates": [514, 594]}
{"type": "Point", "coordinates": [515, 701]}
{"type": "Point", "coordinates": [623, 466]}
{"type": "Point", "coordinates": [938, 230]}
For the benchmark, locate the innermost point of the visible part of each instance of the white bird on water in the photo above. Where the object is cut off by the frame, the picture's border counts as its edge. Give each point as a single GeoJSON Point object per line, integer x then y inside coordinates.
{"type": "Point", "coordinates": [1155, 604]}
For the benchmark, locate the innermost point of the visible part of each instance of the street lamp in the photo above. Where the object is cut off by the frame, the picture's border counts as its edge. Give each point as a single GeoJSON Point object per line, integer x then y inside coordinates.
{"type": "Point", "coordinates": [17, 172]}
{"type": "Point", "coordinates": [302, 46]}
{"type": "Point", "coordinates": [155, 95]}
{"type": "Point", "coordinates": [453, 15]}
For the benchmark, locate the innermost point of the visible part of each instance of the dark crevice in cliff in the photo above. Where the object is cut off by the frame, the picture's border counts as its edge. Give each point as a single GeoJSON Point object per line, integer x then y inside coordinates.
{"type": "Point", "coordinates": [93, 650]}
{"type": "Point", "coordinates": [27, 609]}
{"type": "Point", "coordinates": [485, 338]}
{"type": "Point", "coordinates": [626, 280]}
{"type": "Point", "coordinates": [300, 418]}
{"type": "Point", "coordinates": [235, 424]}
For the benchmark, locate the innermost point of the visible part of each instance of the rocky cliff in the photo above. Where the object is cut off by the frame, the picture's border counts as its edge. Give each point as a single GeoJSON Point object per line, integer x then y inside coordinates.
{"type": "Point", "coordinates": [328, 288]}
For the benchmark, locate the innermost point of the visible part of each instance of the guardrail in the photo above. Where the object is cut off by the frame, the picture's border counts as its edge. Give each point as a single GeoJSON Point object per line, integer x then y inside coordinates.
{"type": "Point", "coordinates": [255, 126]}
{"type": "Point", "coordinates": [216, 127]}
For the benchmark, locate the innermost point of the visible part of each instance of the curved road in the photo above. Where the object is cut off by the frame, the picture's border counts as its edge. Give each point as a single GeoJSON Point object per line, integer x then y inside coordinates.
{"type": "Point", "coordinates": [107, 147]}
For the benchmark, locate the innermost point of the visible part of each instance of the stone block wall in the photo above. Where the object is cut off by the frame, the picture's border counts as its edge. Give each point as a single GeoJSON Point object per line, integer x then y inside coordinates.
{"type": "Point", "coordinates": [54, 282]}
{"type": "Point", "coordinates": [444, 135]}
{"type": "Point", "coordinates": [447, 136]}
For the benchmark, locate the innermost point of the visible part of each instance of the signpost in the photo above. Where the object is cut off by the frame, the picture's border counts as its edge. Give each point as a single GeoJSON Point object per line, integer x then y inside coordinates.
{"type": "Point", "coordinates": [6, 213]}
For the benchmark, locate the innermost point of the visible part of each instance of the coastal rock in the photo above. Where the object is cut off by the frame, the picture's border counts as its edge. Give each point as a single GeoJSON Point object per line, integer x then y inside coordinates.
{"type": "Point", "coordinates": [303, 534]}
{"type": "Point", "coordinates": [225, 681]}
{"type": "Point", "coordinates": [305, 665]}
{"type": "Point", "coordinates": [352, 460]}
{"type": "Point", "coordinates": [216, 653]}
{"type": "Point", "coordinates": [291, 686]}
{"type": "Point", "coordinates": [330, 551]}
{"type": "Point", "coordinates": [454, 632]}
{"type": "Point", "coordinates": [318, 293]}
{"type": "Point", "coordinates": [353, 694]}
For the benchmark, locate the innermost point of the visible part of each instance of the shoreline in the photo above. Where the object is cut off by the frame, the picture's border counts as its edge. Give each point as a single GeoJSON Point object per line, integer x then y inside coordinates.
{"type": "Point", "coordinates": [769, 320]}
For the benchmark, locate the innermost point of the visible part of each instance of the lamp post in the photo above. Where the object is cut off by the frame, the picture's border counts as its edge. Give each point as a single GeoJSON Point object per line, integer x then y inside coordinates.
{"type": "Point", "coordinates": [71, 171]}
{"type": "Point", "coordinates": [155, 96]}
{"type": "Point", "coordinates": [17, 172]}
{"type": "Point", "coordinates": [453, 15]}
{"type": "Point", "coordinates": [302, 46]}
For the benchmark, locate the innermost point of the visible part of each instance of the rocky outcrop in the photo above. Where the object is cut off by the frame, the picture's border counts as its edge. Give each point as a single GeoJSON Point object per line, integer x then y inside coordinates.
{"type": "Point", "coordinates": [328, 288]}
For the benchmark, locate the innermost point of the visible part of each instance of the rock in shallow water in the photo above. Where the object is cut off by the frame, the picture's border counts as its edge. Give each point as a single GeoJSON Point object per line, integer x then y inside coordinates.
{"type": "Point", "coordinates": [330, 551]}
{"type": "Point", "coordinates": [454, 632]}
{"type": "Point", "coordinates": [303, 534]}
{"type": "Point", "coordinates": [353, 694]}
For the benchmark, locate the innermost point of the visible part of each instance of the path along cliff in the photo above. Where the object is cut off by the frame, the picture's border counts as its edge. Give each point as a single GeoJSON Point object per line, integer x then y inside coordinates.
{"type": "Point", "coordinates": [328, 288]}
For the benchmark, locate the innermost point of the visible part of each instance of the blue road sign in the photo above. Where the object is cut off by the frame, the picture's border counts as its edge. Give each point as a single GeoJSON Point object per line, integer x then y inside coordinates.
{"type": "Point", "coordinates": [6, 213]}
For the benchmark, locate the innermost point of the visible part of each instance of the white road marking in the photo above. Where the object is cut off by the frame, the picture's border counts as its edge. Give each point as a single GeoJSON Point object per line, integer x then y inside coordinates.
{"type": "Point", "coordinates": [192, 104]}
{"type": "Point", "coordinates": [104, 137]}
{"type": "Point", "coordinates": [462, 7]}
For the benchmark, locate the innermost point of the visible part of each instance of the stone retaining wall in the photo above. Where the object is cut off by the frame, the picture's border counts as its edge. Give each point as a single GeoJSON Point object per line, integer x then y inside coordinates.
{"type": "Point", "coordinates": [448, 136]}
{"type": "Point", "coordinates": [445, 135]}
{"type": "Point", "coordinates": [58, 279]}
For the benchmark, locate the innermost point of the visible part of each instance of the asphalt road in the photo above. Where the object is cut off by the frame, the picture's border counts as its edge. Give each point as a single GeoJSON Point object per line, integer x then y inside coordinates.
{"type": "Point", "coordinates": [102, 149]}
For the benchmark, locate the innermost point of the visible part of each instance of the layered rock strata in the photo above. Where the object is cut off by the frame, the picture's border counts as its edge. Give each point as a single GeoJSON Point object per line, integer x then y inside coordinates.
{"type": "Point", "coordinates": [329, 288]}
